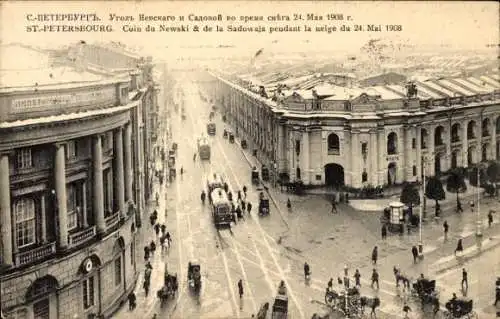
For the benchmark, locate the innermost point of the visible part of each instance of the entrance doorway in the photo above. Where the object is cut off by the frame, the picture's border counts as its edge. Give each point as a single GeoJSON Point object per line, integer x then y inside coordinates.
{"type": "Point", "coordinates": [334, 175]}
{"type": "Point", "coordinates": [391, 173]}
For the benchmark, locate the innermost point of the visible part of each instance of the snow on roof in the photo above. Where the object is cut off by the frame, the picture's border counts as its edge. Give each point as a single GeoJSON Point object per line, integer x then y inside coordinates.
{"type": "Point", "coordinates": [428, 92]}
{"type": "Point", "coordinates": [442, 90]}
{"type": "Point", "coordinates": [385, 94]}
{"type": "Point", "coordinates": [456, 88]}
{"type": "Point", "coordinates": [67, 117]}
{"type": "Point", "coordinates": [472, 86]}
{"type": "Point", "coordinates": [219, 197]}
{"type": "Point", "coordinates": [343, 94]}
{"type": "Point", "coordinates": [480, 83]}
{"type": "Point", "coordinates": [490, 81]}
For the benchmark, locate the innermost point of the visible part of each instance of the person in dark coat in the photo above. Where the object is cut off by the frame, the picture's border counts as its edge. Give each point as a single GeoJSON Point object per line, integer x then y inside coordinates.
{"type": "Point", "coordinates": [357, 278]}
{"type": "Point", "coordinates": [157, 229]}
{"type": "Point", "coordinates": [238, 212]}
{"type": "Point", "coordinates": [490, 218]}
{"type": "Point", "coordinates": [465, 281]}
{"type": "Point", "coordinates": [240, 288]}
{"type": "Point", "coordinates": [375, 255]}
{"type": "Point", "coordinates": [460, 247]}
{"type": "Point", "coordinates": [374, 278]}
{"type": "Point", "coordinates": [146, 253]}
{"type": "Point", "coordinates": [249, 207]}
{"type": "Point", "coordinates": [307, 270]}
{"type": "Point", "coordinates": [384, 231]}
{"type": "Point", "coordinates": [243, 206]}
{"type": "Point", "coordinates": [497, 291]}
{"type": "Point", "coordinates": [152, 246]}
{"type": "Point", "coordinates": [245, 190]}
{"type": "Point", "coordinates": [132, 301]}
{"type": "Point", "coordinates": [414, 252]}
{"type": "Point", "coordinates": [163, 229]}
{"type": "Point", "coordinates": [446, 228]}
{"type": "Point", "coordinates": [239, 195]}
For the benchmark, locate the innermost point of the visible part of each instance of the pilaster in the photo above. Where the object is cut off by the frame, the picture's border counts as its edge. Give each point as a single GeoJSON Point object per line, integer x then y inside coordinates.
{"type": "Point", "coordinates": [118, 178]}
{"type": "Point", "coordinates": [5, 212]}
{"type": "Point", "coordinates": [97, 189]}
{"type": "Point", "coordinates": [60, 188]}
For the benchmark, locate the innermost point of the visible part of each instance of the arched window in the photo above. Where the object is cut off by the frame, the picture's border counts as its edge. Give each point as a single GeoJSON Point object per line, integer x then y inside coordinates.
{"type": "Point", "coordinates": [471, 127]}
{"type": "Point", "coordinates": [392, 143]}
{"type": "Point", "coordinates": [24, 212]}
{"type": "Point", "coordinates": [333, 144]}
{"type": "Point", "coordinates": [484, 153]}
{"type": "Point", "coordinates": [486, 127]}
{"type": "Point", "coordinates": [423, 139]}
{"type": "Point", "coordinates": [438, 136]}
{"type": "Point", "coordinates": [455, 133]}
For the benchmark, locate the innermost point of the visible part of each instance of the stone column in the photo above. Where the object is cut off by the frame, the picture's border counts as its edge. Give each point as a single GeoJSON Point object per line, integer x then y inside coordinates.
{"type": "Point", "coordinates": [373, 159]}
{"type": "Point", "coordinates": [418, 154]}
{"type": "Point", "coordinates": [408, 161]}
{"type": "Point", "coordinates": [280, 146]}
{"type": "Point", "coordinates": [5, 213]}
{"type": "Point", "coordinates": [129, 176]}
{"type": "Point", "coordinates": [118, 177]}
{"type": "Point", "coordinates": [43, 219]}
{"type": "Point", "coordinates": [355, 158]}
{"type": "Point", "coordinates": [291, 155]}
{"type": "Point", "coordinates": [382, 162]}
{"type": "Point", "coordinates": [305, 159]}
{"type": "Point", "coordinates": [85, 221]}
{"type": "Point", "coordinates": [430, 153]}
{"type": "Point", "coordinates": [97, 189]}
{"type": "Point", "coordinates": [60, 181]}
{"type": "Point", "coordinates": [465, 145]}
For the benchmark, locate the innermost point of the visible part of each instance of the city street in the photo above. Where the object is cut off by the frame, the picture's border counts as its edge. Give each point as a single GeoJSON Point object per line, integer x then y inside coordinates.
{"type": "Point", "coordinates": [262, 251]}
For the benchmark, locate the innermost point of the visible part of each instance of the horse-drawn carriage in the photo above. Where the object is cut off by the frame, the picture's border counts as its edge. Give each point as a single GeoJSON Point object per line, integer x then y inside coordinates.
{"type": "Point", "coordinates": [169, 288]}
{"type": "Point", "coordinates": [460, 309]}
{"type": "Point", "coordinates": [244, 144]}
{"type": "Point", "coordinates": [194, 276]}
{"type": "Point", "coordinates": [425, 290]}
{"type": "Point", "coordinates": [255, 176]}
{"type": "Point", "coordinates": [263, 205]}
{"type": "Point", "coordinates": [338, 301]}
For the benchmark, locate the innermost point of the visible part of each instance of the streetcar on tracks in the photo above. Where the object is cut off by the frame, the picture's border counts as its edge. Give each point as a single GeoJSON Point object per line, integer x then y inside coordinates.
{"type": "Point", "coordinates": [204, 148]}
{"type": "Point", "coordinates": [214, 181]}
{"type": "Point", "coordinates": [221, 208]}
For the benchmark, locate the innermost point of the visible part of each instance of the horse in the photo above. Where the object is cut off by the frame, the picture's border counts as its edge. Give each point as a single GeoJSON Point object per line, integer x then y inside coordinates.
{"type": "Point", "coordinates": [401, 277]}
{"type": "Point", "coordinates": [373, 303]}
{"type": "Point", "coordinates": [263, 311]}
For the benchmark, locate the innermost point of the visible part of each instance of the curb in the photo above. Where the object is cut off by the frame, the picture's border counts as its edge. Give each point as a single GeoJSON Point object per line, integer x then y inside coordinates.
{"type": "Point", "coordinates": [275, 202]}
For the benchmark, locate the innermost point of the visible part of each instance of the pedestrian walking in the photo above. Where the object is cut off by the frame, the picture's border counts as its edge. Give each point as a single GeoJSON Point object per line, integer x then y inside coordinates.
{"type": "Point", "coordinates": [146, 253]}
{"type": "Point", "coordinates": [408, 228]}
{"type": "Point", "coordinates": [132, 301]}
{"type": "Point", "coordinates": [288, 204]}
{"type": "Point", "coordinates": [460, 247]}
{"type": "Point", "coordinates": [157, 229]}
{"type": "Point", "coordinates": [414, 251]}
{"type": "Point", "coordinates": [163, 229]}
{"type": "Point", "coordinates": [169, 239]}
{"type": "Point", "coordinates": [490, 218]}
{"type": "Point", "coordinates": [239, 195]}
{"type": "Point", "coordinates": [245, 191]}
{"type": "Point", "coordinates": [375, 255]}
{"type": "Point", "coordinates": [146, 286]}
{"type": "Point", "coordinates": [162, 242]}
{"type": "Point", "coordinates": [249, 207]}
{"type": "Point", "coordinates": [445, 229]}
{"type": "Point", "coordinates": [240, 288]}
{"type": "Point", "coordinates": [157, 196]}
{"type": "Point", "coordinates": [497, 291]}
{"type": "Point", "coordinates": [243, 206]}
{"type": "Point", "coordinates": [459, 207]}
{"type": "Point", "coordinates": [375, 278]}
{"type": "Point", "coordinates": [329, 286]}
{"type": "Point", "coordinates": [152, 247]}
{"type": "Point", "coordinates": [384, 231]}
{"type": "Point", "coordinates": [307, 271]}
{"type": "Point", "coordinates": [357, 278]}
{"type": "Point", "coordinates": [334, 207]}
{"type": "Point", "coordinates": [406, 310]}
{"type": "Point", "coordinates": [471, 204]}
{"type": "Point", "coordinates": [465, 283]}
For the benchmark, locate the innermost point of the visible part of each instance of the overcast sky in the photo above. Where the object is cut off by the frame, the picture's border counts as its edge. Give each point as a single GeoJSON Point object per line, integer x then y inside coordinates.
{"type": "Point", "coordinates": [458, 24]}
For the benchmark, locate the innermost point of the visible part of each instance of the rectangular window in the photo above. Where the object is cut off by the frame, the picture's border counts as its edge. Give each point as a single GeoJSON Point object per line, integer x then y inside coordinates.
{"type": "Point", "coordinates": [72, 206]}
{"type": "Point", "coordinates": [132, 252]}
{"type": "Point", "coordinates": [24, 159]}
{"type": "Point", "coordinates": [71, 150]}
{"type": "Point", "coordinates": [413, 143]}
{"type": "Point", "coordinates": [88, 292]}
{"type": "Point", "coordinates": [118, 271]}
{"type": "Point", "coordinates": [318, 177]}
{"type": "Point", "coordinates": [414, 170]}
{"type": "Point", "coordinates": [41, 309]}
{"type": "Point", "coordinates": [24, 211]}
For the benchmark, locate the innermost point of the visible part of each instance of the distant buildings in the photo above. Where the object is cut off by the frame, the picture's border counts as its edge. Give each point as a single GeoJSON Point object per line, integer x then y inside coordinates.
{"type": "Point", "coordinates": [377, 135]}
{"type": "Point", "coordinates": [76, 128]}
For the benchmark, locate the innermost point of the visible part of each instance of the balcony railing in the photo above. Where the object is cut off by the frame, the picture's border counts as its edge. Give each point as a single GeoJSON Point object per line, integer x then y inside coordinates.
{"type": "Point", "coordinates": [334, 151]}
{"type": "Point", "coordinates": [112, 220]}
{"type": "Point", "coordinates": [35, 254]}
{"type": "Point", "coordinates": [81, 236]}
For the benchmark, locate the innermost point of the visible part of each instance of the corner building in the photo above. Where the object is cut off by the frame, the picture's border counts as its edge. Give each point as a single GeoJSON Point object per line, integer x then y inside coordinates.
{"type": "Point", "coordinates": [379, 135]}
{"type": "Point", "coordinates": [68, 192]}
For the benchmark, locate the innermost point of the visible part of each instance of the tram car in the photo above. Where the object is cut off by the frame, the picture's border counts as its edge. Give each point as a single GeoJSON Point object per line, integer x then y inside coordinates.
{"type": "Point", "coordinates": [221, 208]}
{"type": "Point", "coordinates": [204, 148]}
{"type": "Point", "coordinates": [255, 176]}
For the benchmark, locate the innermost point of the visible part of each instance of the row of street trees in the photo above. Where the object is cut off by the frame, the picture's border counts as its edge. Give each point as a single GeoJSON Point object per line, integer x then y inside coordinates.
{"type": "Point", "coordinates": [489, 176]}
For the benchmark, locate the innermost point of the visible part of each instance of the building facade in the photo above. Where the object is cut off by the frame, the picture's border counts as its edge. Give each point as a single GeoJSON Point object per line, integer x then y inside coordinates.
{"type": "Point", "coordinates": [378, 135]}
{"type": "Point", "coordinates": [70, 193]}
